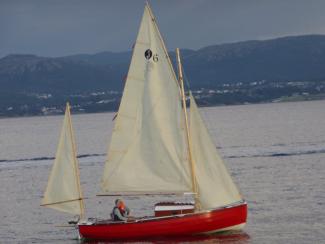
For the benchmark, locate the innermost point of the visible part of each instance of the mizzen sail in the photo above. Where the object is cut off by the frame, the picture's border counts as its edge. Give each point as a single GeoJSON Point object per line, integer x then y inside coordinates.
{"type": "Point", "coordinates": [215, 186]}
{"type": "Point", "coordinates": [147, 150]}
{"type": "Point", "coordinates": [63, 191]}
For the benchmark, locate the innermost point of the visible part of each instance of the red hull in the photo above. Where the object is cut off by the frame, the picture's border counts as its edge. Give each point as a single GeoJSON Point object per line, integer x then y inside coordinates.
{"type": "Point", "coordinates": [179, 225]}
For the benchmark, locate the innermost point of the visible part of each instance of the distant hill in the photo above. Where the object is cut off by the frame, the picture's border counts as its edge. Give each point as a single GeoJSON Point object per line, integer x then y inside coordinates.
{"type": "Point", "coordinates": [288, 59]}
{"type": "Point", "coordinates": [77, 73]}
{"type": "Point", "coordinates": [299, 58]}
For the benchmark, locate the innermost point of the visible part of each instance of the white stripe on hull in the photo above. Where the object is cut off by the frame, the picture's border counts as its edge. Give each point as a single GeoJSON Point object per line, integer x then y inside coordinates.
{"type": "Point", "coordinates": [234, 227]}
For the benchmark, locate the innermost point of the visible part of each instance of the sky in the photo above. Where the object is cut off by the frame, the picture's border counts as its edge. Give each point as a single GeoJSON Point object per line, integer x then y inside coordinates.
{"type": "Point", "coordinates": [64, 27]}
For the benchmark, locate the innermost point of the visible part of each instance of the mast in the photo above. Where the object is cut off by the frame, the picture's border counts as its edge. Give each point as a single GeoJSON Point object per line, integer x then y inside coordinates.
{"type": "Point", "coordinates": [82, 207]}
{"type": "Point", "coordinates": [188, 137]}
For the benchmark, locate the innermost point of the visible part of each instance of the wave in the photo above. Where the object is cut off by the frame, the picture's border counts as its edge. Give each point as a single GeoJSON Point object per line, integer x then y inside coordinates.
{"type": "Point", "coordinates": [47, 158]}
{"type": "Point", "coordinates": [279, 154]}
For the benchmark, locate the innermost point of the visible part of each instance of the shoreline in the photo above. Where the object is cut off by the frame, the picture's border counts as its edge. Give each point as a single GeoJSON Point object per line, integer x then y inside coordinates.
{"type": "Point", "coordinates": [285, 99]}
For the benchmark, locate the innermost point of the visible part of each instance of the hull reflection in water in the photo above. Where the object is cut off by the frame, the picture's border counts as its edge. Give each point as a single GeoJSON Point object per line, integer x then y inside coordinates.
{"type": "Point", "coordinates": [236, 237]}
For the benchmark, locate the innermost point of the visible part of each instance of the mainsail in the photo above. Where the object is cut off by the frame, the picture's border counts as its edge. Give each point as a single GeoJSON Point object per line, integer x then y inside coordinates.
{"type": "Point", "coordinates": [215, 186]}
{"type": "Point", "coordinates": [63, 189]}
{"type": "Point", "coordinates": [147, 152]}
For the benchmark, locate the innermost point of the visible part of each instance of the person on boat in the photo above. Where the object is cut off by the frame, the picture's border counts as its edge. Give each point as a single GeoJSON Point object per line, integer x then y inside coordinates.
{"type": "Point", "coordinates": [120, 211]}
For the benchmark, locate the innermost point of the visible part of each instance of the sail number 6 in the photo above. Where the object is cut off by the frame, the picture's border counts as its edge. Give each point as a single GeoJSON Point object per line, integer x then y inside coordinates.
{"type": "Point", "coordinates": [148, 55]}
{"type": "Point", "coordinates": [155, 58]}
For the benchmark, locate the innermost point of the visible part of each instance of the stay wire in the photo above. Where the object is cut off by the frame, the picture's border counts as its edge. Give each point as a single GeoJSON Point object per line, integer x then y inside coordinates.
{"type": "Point", "coordinates": [204, 112]}
{"type": "Point", "coordinates": [187, 83]}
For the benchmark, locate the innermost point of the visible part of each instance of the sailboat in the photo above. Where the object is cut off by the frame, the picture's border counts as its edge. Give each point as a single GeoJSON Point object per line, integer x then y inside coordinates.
{"type": "Point", "coordinates": [156, 148]}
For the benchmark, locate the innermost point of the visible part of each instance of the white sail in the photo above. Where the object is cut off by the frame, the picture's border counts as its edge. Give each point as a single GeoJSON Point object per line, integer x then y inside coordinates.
{"type": "Point", "coordinates": [63, 190]}
{"type": "Point", "coordinates": [215, 186]}
{"type": "Point", "coordinates": [147, 150]}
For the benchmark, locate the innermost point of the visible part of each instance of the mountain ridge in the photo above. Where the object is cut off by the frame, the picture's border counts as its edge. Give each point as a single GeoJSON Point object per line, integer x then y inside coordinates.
{"type": "Point", "coordinates": [27, 77]}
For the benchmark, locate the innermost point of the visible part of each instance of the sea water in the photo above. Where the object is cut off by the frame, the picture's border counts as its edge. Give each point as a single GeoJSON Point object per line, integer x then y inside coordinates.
{"type": "Point", "coordinates": [274, 152]}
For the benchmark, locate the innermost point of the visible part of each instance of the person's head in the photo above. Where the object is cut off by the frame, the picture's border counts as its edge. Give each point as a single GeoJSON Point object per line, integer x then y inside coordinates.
{"type": "Point", "coordinates": [117, 201]}
{"type": "Point", "coordinates": [120, 204]}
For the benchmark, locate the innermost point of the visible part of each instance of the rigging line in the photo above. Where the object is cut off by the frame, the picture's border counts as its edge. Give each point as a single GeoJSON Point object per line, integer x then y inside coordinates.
{"type": "Point", "coordinates": [186, 79]}
{"type": "Point", "coordinates": [203, 111]}
{"type": "Point", "coordinates": [61, 202]}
